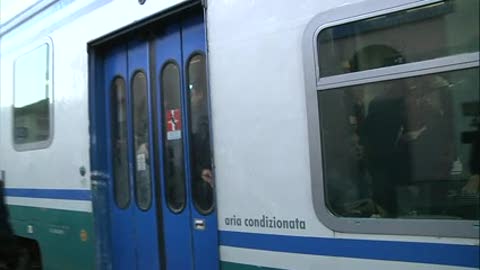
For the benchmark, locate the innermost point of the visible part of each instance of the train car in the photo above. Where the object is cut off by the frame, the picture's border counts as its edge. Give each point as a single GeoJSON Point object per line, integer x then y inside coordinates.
{"type": "Point", "coordinates": [242, 135]}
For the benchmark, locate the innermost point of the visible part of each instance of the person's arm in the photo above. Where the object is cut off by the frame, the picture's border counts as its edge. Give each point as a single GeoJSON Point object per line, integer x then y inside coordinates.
{"type": "Point", "coordinates": [473, 183]}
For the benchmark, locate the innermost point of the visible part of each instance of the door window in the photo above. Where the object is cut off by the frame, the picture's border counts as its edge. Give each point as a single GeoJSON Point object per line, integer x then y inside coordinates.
{"type": "Point", "coordinates": [119, 139]}
{"type": "Point", "coordinates": [143, 182]}
{"type": "Point", "coordinates": [172, 128]}
{"type": "Point", "coordinates": [201, 172]}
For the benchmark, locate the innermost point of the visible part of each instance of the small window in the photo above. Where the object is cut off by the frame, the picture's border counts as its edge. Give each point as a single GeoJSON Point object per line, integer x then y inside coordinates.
{"type": "Point", "coordinates": [407, 36]}
{"type": "Point", "coordinates": [173, 132]}
{"type": "Point", "coordinates": [201, 171]}
{"type": "Point", "coordinates": [143, 182]}
{"type": "Point", "coordinates": [119, 142]}
{"type": "Point", "coordinates": [32, 110]}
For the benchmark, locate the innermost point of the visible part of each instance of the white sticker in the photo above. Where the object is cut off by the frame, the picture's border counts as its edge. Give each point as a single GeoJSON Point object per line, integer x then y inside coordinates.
{"type": "Point", "coordinates": [174, 135]}
{"type": "Point", "coordinates": [141, 162]}
{"type": "Point", "coordinates": [174, 124]}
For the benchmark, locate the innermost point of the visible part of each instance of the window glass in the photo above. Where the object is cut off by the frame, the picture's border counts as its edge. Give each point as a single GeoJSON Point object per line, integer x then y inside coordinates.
{"type": "Point", "coordinates": [202, 177]}
{"type": "Point", "coordinates": [31, 108]}
{"type": "Point", "coordinates": [402, 37]}
{"type": "Point", "coordinates": [405, 148]}
{"type": "Point", "coordinates": [119, 143]}
{"type": "Point", "coordinates": [143, 183]}
{"type": "Point", "coordinates": [173, 147]}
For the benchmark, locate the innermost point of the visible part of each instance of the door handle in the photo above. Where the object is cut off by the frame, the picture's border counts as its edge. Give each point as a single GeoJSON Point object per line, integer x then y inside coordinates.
{"type": "Point", "coordinates": [98, 178]}
{"type": "Point", "coordinates": [199, 224]}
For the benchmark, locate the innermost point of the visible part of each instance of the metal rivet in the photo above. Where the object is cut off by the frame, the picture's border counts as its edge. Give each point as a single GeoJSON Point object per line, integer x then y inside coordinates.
{"type": "Point", "coordinates": [83, 171]}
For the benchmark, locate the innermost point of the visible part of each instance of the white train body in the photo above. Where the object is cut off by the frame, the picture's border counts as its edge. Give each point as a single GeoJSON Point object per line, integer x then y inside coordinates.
{"type": "Point", "coordinates": [262, 76]}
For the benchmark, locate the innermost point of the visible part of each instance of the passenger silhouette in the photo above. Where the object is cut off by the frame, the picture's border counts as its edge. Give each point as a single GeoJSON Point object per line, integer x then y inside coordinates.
{"type": "Point", "coordinates": [202, 176]}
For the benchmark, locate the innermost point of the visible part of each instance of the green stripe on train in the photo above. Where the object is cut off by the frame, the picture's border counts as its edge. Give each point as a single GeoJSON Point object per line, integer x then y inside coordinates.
{"type": "Point", "coordinates": [59, 234]}
{"type": "Point", "coordinates": [65, 237]}
{"type": "Point", "coordinates": [238, 266]}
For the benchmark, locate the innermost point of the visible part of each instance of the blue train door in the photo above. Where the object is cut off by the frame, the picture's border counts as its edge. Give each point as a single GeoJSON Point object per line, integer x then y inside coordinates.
{"type": "Point", "coordinates": [190, 221]}
{"type": "Point", "coordinates": [161, 188]}
{"type": "Point", "coordinates": [133, 211]}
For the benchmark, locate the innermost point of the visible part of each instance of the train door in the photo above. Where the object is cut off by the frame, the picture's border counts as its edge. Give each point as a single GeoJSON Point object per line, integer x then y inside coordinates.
{"type": "Point", "coordinates": [162, 212]}
{"type": "Point", "coordinates": [133, 213]}
{"type": "Point", "coordinates": [190, 221]}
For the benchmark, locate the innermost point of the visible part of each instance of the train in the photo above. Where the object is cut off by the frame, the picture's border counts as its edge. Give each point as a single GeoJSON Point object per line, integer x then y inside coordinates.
{"type": "Point", "coordinates": [242, 135]}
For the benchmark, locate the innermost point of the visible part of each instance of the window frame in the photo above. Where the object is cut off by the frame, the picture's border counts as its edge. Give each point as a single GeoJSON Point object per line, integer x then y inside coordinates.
{"type": "Point", "coordinates": [315, 83]}
{"type": "Point", "coordinates": [45, 143]}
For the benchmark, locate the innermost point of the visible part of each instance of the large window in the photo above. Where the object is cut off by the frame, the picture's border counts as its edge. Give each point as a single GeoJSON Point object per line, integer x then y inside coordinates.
{"type": "Point", "coordinates": [397, 121]}
{"type": "Point", "coordinates": [32, 99]}
{"type": "Point", "coordinates": [406, 147]}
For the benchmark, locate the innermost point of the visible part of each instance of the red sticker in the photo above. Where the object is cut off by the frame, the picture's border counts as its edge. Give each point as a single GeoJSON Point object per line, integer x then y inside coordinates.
{"type": "Point", "coordinates": [174, 125]}
{"type": "Point", "coordinates": [173, 120]}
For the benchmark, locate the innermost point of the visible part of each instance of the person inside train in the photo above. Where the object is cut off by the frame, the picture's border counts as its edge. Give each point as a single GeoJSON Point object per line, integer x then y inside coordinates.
{"type": "Point", "coordinates": [378, 136]}
{"type": "Point", "coordinates": [202, 176]}
{"type": "Point", "coordinates": [378, 131]}
{"type": "Point", "coordinates": [409, 141]}
{"type": "Point", "coordinates": [427, 138]}
{"type": "Point", "coordinates": [407, 131]}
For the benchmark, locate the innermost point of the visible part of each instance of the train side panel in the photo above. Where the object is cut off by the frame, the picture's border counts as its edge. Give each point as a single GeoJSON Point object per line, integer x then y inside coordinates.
{"type": "Point", "coordinates": [264, 187]}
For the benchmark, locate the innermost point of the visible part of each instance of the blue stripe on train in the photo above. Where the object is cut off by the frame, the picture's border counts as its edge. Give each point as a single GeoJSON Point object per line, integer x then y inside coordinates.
{"type": "Point", "coordinates": [443, 254]}
{"type": "Point", "coordinates": [63, 194]}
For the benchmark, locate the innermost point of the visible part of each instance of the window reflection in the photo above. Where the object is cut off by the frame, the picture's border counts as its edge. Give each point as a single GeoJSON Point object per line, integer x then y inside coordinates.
{"type": "Point", "coordinates": [413, 35]}
{"type": "Point", "coordinates": [119, 141]}
{"type": "Point", "coordinates": [143, 183]}
{"type": "Point", "coordinates": [412, 147]}
{"type": "Point", "coordinates": [32, 99]}
{"type": "Point", "coordinates": [202, 177]}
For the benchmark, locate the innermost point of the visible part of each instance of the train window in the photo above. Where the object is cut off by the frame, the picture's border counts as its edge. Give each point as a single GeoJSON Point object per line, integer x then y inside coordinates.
{"type": "Point", "coordinates": [32, 112]}
{"type": "Point", "coordinates": [407, 36]}
{"type": "Point", "coordinates": [119, 138]}
{"type": "Point", "coordinates": [172, 130]}
{"type": "Point", "coordinates": [143, 182]}
{"type": "Point", "coordinates": [412, 151]}
{"type": "Point", "coordinates": [398, 145]}
{"type": "Point", "coordinates": [202, 177]}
